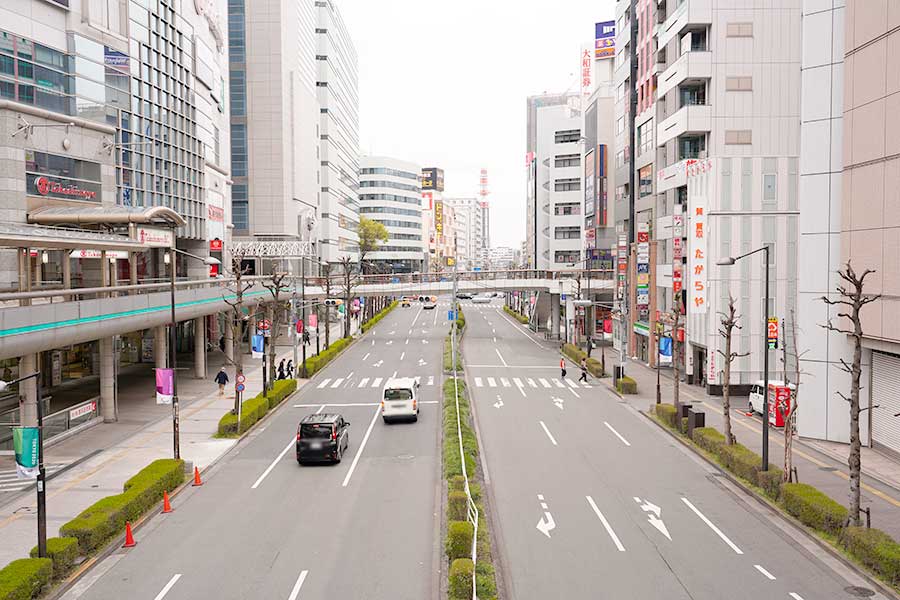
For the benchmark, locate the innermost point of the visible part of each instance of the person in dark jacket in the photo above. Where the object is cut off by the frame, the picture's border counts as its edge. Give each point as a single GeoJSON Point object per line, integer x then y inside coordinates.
{"type": "Point", "coordinates": [290, 369]}
{"type": "Point", "coordinates": [221, 378]}
{"type": "Point", "coordinates": [584, 370]}
{"type": "Point", "coordinates": [281, 369]}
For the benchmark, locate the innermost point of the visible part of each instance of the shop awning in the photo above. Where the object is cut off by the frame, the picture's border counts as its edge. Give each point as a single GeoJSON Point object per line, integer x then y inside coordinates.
{"type": "Point", "coordinates": [106, 215]}
{"type": "Point", "coordinates": [21, 235]}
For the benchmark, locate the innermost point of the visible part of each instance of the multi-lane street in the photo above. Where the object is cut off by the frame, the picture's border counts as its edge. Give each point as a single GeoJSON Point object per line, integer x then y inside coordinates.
{"type": "Point", "coordinates": [592, 500]}
{"type": "Point", "coordinates": [262, 526]}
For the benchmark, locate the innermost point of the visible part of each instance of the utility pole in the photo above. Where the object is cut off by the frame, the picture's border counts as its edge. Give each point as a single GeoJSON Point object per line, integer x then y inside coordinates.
{"type": "Point", "coordinates": [303, 316]}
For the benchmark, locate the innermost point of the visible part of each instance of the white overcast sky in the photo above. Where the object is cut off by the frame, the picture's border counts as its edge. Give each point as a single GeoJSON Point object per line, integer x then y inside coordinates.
{"type": "Point", "coordinates": [444, 84]}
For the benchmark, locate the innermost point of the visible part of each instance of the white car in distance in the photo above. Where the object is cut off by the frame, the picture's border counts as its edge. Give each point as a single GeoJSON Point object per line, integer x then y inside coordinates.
{"type": "Point", "coordinates": [400, 399]}
{"type": "Point", "coordinates": [482, 299]}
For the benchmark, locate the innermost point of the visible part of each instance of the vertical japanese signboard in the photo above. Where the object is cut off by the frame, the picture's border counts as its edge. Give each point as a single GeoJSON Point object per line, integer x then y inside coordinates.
{"type": "Point", "coordinates": [622, 254]}
{"type": "Point", "coordinates": [586, 67]}
{"type": "Point", "coordinates": [772, 333]}
{"type": "Point", "coordinates": [697, 234]}
{"type": "Point", "coordinates": [642, 299]}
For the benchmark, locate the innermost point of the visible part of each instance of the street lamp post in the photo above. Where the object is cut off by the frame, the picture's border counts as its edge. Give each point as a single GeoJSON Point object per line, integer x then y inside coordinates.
{"type": "Point", "coordinates": [726, 262]}
{"type": "Point", "coordinates": [42, 475]}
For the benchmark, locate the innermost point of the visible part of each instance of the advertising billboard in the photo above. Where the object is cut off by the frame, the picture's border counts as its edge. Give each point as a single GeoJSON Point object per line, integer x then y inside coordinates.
{"type": "Point", "coordinates": [605, 39]}
{"type": "Point", "coordinates": [439, 217]}
{"type": "Point", "coordinates": [589, 184]}
{"type": "Point", "coordinates": [433, 179]}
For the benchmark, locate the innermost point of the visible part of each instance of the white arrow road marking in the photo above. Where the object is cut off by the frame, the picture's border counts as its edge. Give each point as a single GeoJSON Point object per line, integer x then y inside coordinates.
{"type": "Point", "coordinates": [324, 383]}
{"type": "Point", "coordinates": [402, 354]}
{"type": "Point", "coordinates": [501, 357]}
{"type": "Point", "coordinates": [546, 524]}
{"type": "Point", "coordinates": [296, 591]}
{"type": "Point", "coordinates": [478, 382]}
{"type": "Point", "coordinates": [422, 363]}
{"type": "Point", "coordinates": [364, 382]}
{"type": "Point", "coordinates": [618, 435]}
{"type": "Point", "coordinates": [606, 525]}
{"type": "Point", "coordinates": [712, 526]}
{"type": "Point", "coordinates": [378, 364]}
{"type": "Point", "coordinates": [165, 590]}
{"type": "Point", "coordinates": [768, 575]}
{"type": "Point", "coordinates": [559, 403]}
{"type": "Point", "coordinates": [547, 431]}
{"type": "Point", "coordinates": [498, 403]}
{"type": "Point", "coordinates": [430, 380]}
{"type": "Point", "coordinates": [389, 342]}
{"type": "Point", "coordinates": [653, 518]}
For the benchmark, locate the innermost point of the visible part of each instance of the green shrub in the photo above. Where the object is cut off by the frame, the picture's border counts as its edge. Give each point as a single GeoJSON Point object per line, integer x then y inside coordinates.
{"type": "Point", "coordinates": [517, 316]}
{"type": "Point", "coordinates": [875, 549]}
{"type": "Point", "coordinates": [62, 551]}
{"type": "Point", "coordinates": [457, 505]}
{"type": "Point", "coordinates": [281, 390]}
{"type": "Point", "coordinates": [106, 517]}
{"type": "Point", "coordinates": [448, 356]}
{"type": "Point", "coordinates": [594, 366]}
{"type": "Point", "coordinates": [666, 414]}
{"type": "Point", "coordinates": [452, 464]}
{"type": "Point", "coordinates": [813, 508]}
{"type": "Point", "coordinates": [484, 579]}
{"type": "Point", "coordinates": [461, 571]}
{"type": "Point", "coordinates": [457, 483]}
{"type": "Point", "coordinates": [23, 579]}
{"type": "Point", "coordinates": [459, 539]}
{"type": "Point", "coordinates": [378, 316]}
{"type": "Point", "coordinates": [770, 481]}
{"type": "Point", "coordinates": [708, 438]}
{"type": "Point", "coordinates": [741, 461]}
{"type": "Point", "coordinates": [683, 427]}
{"type": "Point", "coordinates": [626, 385]}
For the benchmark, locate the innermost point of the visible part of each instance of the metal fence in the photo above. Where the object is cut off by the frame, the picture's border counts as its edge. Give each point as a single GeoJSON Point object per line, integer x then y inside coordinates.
{"type": "Point", "coordinates": [54, 424]}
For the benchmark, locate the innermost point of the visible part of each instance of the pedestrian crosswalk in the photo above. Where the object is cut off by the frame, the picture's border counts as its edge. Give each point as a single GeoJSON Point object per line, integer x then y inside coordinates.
{"type": "Point", "coordinates": [365, 382]}
{"type": "Point", "coordinates": [527, 382]}
{"type": "Point", "coordinates": [10, 482]}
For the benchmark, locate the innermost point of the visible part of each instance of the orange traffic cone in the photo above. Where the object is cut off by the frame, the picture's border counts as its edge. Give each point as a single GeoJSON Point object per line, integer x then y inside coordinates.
{"type": "Point", "coordinates": [129, 537]}
{"type": "Point", "coordinates": [197, 481]}
{"type": "Point", "coordinates": [167, 507]}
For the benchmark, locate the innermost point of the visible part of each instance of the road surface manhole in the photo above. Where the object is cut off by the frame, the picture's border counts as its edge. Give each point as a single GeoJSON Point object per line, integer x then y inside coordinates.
{"type": "Point", "coordinates": [859, 592]}
{"type": "Point", "coordinates": [829, 469]}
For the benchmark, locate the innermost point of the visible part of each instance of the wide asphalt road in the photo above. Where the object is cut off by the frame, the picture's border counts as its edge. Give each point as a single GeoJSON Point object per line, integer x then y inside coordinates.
{"type": "Point", "coordinates": [591, 500]}
{"type": "Point", "coordinates": [262, 526]}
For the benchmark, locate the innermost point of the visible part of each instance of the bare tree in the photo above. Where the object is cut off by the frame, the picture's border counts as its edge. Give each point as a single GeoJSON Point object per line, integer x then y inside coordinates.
{"type": "Point", "coordinates": [326, 275]}
{"type": "Point", "coordinates": [790, 416]}
{"type": "Point", "coordinates": [729, 323]}
{"type": "Point", "coordinates": [238, 287]}
{"type": "Point", "coordinates": [348, 282]}
{"type": "Point", "coordinates": [852, 299]}
{"type": "Point", "coordinates": [275, 285]}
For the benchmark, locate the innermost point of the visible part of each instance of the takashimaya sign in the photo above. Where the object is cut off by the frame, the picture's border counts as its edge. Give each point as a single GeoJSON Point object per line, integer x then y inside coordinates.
{"type": "Point", "coordinates": [50, 187]}
{"type": "Point", "coordinates": [155, 237]}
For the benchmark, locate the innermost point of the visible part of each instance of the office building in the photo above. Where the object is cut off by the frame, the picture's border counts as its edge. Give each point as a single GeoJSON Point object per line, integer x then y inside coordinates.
{"type": "Point", "coordinates": [469, 226]}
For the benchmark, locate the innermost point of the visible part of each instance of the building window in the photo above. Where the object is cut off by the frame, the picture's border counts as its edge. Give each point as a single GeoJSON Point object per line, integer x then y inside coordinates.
{"type": "Point", "coordinates": [571, 208]}
{"type": "Point", "coordinates": [645, 137]}
{"type": "Point", "coordinates": [566, 256]}
{"type": "Point", "coordinates": [385, 171]}
{"type": "Point", "coordinates": [739, 30]}
{"type": "Point", "coordinates": [567, 233]}
{"type": "Point", "coordinates": [569, 184]}
{"type": "Point", "coordinates": [693, 95]}
{"type": "Point", "coordinates": [567, 160]}
{"type": "Point", "coordinates": [646, 181]}
{"type": "Point", "coordinates": [738, 84]}
{"type": "Point", "coordinates": [567, 136]}
{"type": "Point", "coordinates": [691, 146]}
{"type": "Point", "coordinates": [738, 136]}
{"type": "Point", "coordinates": [240, 215]}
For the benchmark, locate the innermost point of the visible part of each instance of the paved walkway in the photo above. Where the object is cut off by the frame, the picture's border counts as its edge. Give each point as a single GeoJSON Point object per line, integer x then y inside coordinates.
{"type": "Point", "coordinates": [96, 462]}
{"type": "Point", "coordinates": [821, 464]}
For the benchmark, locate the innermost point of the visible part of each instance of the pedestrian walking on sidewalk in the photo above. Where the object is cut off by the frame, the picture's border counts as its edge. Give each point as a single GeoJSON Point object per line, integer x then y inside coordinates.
{"type": "Point", "coordinates": [562, 367]}
{"type": "Point", "coordinates": [221, 378]}
{"type": "Point", "coordinates": [290, 369]}
{"type": "Point", "coordinates": [583, 370]}
{"type": "Point", "coordinates": [281, 369]}
{"type": "Point", "coordinates": [305, 338]}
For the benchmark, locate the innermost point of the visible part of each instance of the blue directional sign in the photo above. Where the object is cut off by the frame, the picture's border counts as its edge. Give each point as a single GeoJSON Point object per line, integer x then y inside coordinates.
{"type": "Point", "coordinates": [451, 315]}
{"type": "Point", "coordinates": [239, 387]}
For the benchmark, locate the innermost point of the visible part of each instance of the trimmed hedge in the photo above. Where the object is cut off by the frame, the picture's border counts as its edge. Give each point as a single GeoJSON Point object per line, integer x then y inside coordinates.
{"type": "Point", "coordinates": [813, 508]}
{"type": "Point", "coordinates": [452, 464]}
{"type": "Point", "coordinates": [626, 385]}
{"type": "Point", "coordinates": [252, 410]}
{"type": "Point", "coordinates": [461, 571]}
{"type": "Point", "coordinates": [708, 438]}
{"type": "Point", "coordinates": [459, 539]}
{"type": "Point", "coordinates": [62, 552]}
{"type": "Point", "coordinates": [485, 581]}
{"type": "Point", "coordinates": [517, 316]}
{"type": "Point", "coordinates": [770, 481]}
{"type": "Point", "coordinates": [594, 366]}
{"type": "Point", "coordinates": [458, 483]}
{"type": "Point", "coordinates": [281, 389]}
{"type": "Point", "coordinates": [106, 518]}
{"type": "Point", "coordinates": [875, 549]}
{"type": "Point", "coordinates": [23, 579]}
{"type": "Point", "coordinates": [741, 461]}
{"type": "Point", "coordinates": [448, 349]}
{"type": "Point", "coordinates": [317, 363]}
{"type": "Point", "coordinates": [457, 505]}
{"type": "Point", "coordinates": [667, 414]}
{"type": "Point", "coordinates": [378, 316]}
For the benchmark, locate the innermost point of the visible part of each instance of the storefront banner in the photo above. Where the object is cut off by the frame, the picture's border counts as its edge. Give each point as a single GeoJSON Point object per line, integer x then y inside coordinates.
{"type": "Point", "coordinates": [665, 351]}
{"type": "Point", "coordinates": [313, 321]}
{"type": "Point", "coordinates": [165, 385]}
{"type": "Point", "coordinates": [25, 447]}
{"type": "Point", "coordinates": [257, 346]}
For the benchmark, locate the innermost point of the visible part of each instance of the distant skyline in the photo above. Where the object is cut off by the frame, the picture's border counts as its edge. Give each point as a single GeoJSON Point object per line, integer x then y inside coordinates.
{"type": "Point", "coordinates": [445, 85]}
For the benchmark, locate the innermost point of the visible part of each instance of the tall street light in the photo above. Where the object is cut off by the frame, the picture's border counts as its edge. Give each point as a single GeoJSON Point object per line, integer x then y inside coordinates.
{"type": "Point", "coordinates": [727, 262]}
{"type": "Point", "coordinates": [42, 475]}
{"type": "Point", "coordinates": [173, 354]}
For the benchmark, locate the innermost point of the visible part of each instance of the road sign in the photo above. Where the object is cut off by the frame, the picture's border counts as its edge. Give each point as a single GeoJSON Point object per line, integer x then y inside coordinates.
{"type": "Point", "coordinates": [451, 315]}
{"type": "Point", "coordinates": [239, 387]}
{"type": "Point", "coordinates": [772, 333]}
{"type": "Point", "coordinates": [241, 378]}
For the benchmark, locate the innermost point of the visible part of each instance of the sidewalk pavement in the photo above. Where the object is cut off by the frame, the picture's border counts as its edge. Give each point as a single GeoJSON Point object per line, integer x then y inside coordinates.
{"type": "Point", "coordinates": [820, 464]}
{"type": "Point", "coordinates": [105, 456]}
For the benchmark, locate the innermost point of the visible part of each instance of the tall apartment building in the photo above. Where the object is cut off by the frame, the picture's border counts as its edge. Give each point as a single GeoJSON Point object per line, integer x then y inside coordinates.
{"type": "Point", "coordinates": [337, 86]}
{"type": "Point", "coordinates": [469, 224]}
{"type": "Point", "coordinates": [275, 124]}
{"type": "Point", "coordinates": [391, 195]}
{"type": "Point", "coordinates": [849, 210]}
{"type": "Point", "coordinates": [554, 195]}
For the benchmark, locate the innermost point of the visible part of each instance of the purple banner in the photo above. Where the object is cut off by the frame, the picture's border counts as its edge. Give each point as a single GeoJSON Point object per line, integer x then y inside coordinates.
{"type": "Point", "coordinates": [165, 385]}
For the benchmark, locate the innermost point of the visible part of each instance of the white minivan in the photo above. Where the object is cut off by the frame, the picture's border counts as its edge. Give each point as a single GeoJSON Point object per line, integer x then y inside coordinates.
{"type": "Point", "coordinates": [757, 396]}
{"type": "Point", "coordinates": [400, 399]}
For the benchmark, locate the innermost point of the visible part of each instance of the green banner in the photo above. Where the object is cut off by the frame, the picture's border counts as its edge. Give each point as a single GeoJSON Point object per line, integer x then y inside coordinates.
{"type": "Point", "coordinates": [25, 446]}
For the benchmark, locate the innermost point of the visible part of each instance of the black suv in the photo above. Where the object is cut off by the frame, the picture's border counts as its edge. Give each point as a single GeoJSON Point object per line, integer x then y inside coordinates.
{"type": "Point", "coordinates": [322, 437]}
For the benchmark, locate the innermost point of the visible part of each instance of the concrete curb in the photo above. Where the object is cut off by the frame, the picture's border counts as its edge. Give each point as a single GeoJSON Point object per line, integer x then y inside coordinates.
{"type": "Point", "coordinates": [803, 529]}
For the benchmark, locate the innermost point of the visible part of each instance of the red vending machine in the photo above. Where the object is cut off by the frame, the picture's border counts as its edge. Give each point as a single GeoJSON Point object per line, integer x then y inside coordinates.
{"type": "Point", "coordinates": [779, 404]}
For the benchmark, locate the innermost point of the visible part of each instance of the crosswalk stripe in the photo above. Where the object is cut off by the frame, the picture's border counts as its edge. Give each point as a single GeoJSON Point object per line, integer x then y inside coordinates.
{"type": "Point", "coordinates": [559, 383]}
{"type": "Point", "coordinates": [504, 381]}
{"type": "Point", "coordinates": [478, 382]}
{"type": "Point", "coordinates": [337, 382]}
{"type": "Point", "coordinates": [491, 382]}
{"type": "Point", "coordinates": [517, 381]}
{"type": "Point", "coordinates": [544, 383]}
{"type": "Point", "coordinates": [571, 383]}
{"type": "Point", "coordinates": [376, 382]}
{"type": "Point", "coordinates": [363, 382]}
{"type": "Point", "coordinates": [585, 384]}
{"type": "Point", "coordinates": [324, 382]}
{"type": "Point", "coordinates": [531, 382]}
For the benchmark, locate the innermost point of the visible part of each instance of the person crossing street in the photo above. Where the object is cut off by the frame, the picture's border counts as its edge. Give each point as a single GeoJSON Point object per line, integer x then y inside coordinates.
{"type": "Point", "coordinates": [562, 367]}
{"type": "Point", "coordinates": [583, 370]}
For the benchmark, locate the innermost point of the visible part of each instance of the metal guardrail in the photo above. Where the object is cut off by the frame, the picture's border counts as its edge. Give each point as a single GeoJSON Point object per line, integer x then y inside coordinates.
{"type": "Point", "coordinates": [54, 425]}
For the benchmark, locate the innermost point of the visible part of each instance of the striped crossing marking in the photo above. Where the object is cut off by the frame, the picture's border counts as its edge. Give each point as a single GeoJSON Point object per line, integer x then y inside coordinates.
{"type": "Point", "coordinates": [324, 383]}
{"type": "Point", "coordinates": [491, 382]}
{"type": "Point", "coordinates": [504, 381]}
{"type": "Point", "coordinates": [363, 382]}
{"type": "Point", "coordinates": [478, 382]}
{"type": "Point", "coordinates": [559, 383]}
{"type": "Point", "coordinates": [10, 482]}
{"type": "Point", "coordinates": [337, 382]}
{"type": "Point", "coordinates": [544, 383]}
{"type": "Point", "coordinates": [517, 381]}
{"type": "Point", "coordinates": [376, 382]}
{"type": "Point", "coordinates": [571, 383]}
{"type": "Point", "coordinates": [531, 382]}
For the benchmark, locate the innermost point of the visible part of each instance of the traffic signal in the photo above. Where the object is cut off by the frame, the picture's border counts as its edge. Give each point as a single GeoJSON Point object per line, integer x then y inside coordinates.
{"type": "Point", "coordinates": [333, 302]}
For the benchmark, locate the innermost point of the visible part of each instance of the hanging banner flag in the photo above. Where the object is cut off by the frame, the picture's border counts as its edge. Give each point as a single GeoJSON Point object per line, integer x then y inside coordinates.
{"type": "Point", "coordinates": [313, 321]}
{"type": "Point", "coordinates": [257, 346]}
{"type": "Point", "coordinates": [165, 385]}
{"type": "Point", "coordinates": [665, 351]}
{"type": "Point", "coordinates": [25, 447]}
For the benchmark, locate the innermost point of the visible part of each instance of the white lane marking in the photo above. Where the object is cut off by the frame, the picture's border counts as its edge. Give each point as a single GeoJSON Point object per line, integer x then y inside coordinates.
{"type": "Point", "coordinates": [606, 525]}
{"type": "Point", "coordinates": [478, 382]}
{"type": "Point", "coordinates": [402, 354]}
{"type": "Point", "coordinates": [362, 446]}
{"type": "Point", "coordinates": [430, 380]}
{"type": "Point", "coordinates": [348, 378]}
{"type": "Point", "coordinates": [520, 386]}
{"type": "Point", "coordinates": [493, 330]}
{"type": "Point", "coordinates": [547, 431]}
{"type": "Point", "coordinates": [495, 340]}
{"type": "Point", "coordinates": [571, 383]}
{"type": "Point", "coordinates": [491, 382]}
{"type": "Point", "coordinates": [366, 356]}
{"type": "Point", "coordinates": [337, 382]}
{"type": "Point", "coordinates": [407, 342]}
{"type": "Point", "coordinates": [531, 382]}
{"type": "Point", "coordinates": [373, 341]}
{"type": "Point", "coordinates": [376, 382]}
{"type": "Point", "coordinates": [296, 591]}
{"type": "Point", "coordinates": [504, 381]}
{"type": "Point", "coordinates": [544, 383]}
{"type": "Point", "coordinates": [618, 435]}
{"type": "Point", "coordinates": [517, 326]}
{"type": "Point", "coordinates": [501, 357]}
{"type": "Point", "coordinates": [165, 590]}
{"type": "Point", "coordinates": [268, 470]}
{"type": "Point", "coordinates": [577, 395]}
{"type": "Point", "coordinates": [558, 383]}
{"type": "Point", "coordinates": [416, 319]}
{"type": "Point", "coordinates": [768, 575]}
{"type": "Point", "coordinates": [517, 381]}
{"type": "Point", "coordinates": [363, 382]}
{"type": "Point", "coordinates": [324, 383]}
{"type": "Point", "coordinates": [394, 376]}
{"type": "Point", "coordinates": [795, 596]}
{"type": "Point", "coordinates": [711, 526]}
